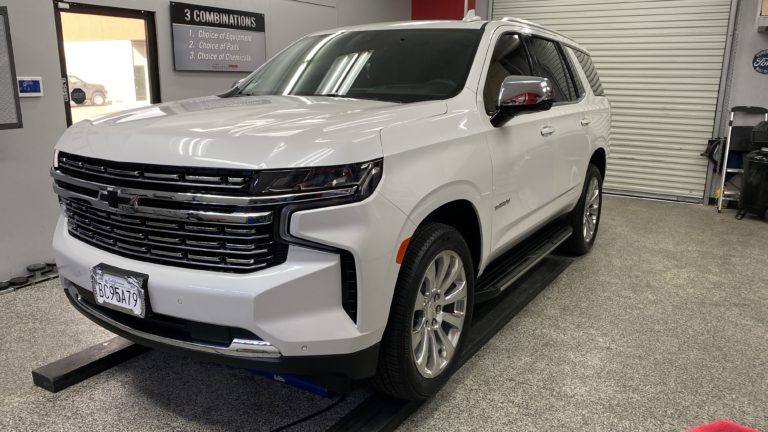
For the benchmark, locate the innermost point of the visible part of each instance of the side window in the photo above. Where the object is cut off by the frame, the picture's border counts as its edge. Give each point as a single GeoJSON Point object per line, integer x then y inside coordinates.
{"type": "Point", "coordinates": [580, 91]}
{"type": "Point", "coordinates": [589, 70]}
{"type": "Point", "coordinates": [509, 58]}
{"type": "Point", "coordinates": [550, 64]}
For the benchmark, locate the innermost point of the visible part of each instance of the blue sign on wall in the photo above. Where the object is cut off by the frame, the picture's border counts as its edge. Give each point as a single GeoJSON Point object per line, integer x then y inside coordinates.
{"type": "Point", "coordinates": [760, 62]}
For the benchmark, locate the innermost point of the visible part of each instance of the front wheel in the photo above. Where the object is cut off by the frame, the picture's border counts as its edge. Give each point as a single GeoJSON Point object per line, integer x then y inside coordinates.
{"type": "Point", "coordinates": [585, 217]}
{"type": "Point", "coordinates": [430, 316]}
{"type": "Point", "coordinates": [98, 98]}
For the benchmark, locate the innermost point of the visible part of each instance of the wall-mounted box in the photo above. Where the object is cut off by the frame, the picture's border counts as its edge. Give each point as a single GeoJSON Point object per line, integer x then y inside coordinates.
{"type": "Point", "coordinates": [762, 17]}
{"type": "Point", "coordinates": [30, 86]}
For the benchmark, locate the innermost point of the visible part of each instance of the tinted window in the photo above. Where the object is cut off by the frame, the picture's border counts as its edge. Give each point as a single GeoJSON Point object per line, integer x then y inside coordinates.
{"type": "Point", "coordinates": [574, 72]}
{"type": "Point", "coordinates": [589, 70]}
{"type": "Point", "coordinates": [392, 65]}
{"type": "Point", "coordinates": [550, 64]}
{"type": "Point", "coordinates": [509, 58]}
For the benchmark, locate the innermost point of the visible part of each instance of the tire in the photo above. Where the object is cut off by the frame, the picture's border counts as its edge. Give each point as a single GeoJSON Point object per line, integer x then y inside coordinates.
{"type": "Point", "coordinates": [584, 232]}
{"type": "Point", "coordinates": [403, 371]}
{"type": "Point", "coordinates": [98, 98]}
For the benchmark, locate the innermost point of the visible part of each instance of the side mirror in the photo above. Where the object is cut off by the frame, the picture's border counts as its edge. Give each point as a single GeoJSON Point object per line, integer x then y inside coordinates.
{"type": "Point", "coordinates": [522, 94]}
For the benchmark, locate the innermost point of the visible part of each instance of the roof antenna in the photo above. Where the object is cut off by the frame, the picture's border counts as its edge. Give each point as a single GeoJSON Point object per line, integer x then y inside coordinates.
{"type": "Point", "coordinates": [470, 16]}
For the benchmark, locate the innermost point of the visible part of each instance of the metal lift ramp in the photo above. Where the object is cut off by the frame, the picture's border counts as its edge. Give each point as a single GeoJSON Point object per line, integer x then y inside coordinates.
{"type": "Point", "coordinates": [512, 281]}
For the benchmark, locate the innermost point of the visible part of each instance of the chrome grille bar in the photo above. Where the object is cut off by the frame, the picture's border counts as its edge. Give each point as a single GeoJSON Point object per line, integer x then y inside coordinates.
{"type": "Point", "coordinates": [204, 198]}
{"type": "Point", "coordinates": [248, 218]}
{"type": "Point", "coordinates": [147, 226]}
{"type": "Point", "coordinates": [70, 162]}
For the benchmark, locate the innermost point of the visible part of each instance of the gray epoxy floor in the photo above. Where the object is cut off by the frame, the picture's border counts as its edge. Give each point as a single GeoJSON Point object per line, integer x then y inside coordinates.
{"type": "Point", "coordinates": [642, 334]}
{"type": "Point", "coordinates": [646, 333]}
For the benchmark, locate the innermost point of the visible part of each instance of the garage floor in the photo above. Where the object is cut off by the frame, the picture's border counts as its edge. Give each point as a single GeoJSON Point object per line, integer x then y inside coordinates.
{"type": "Point", "coordinates": [642, 334]}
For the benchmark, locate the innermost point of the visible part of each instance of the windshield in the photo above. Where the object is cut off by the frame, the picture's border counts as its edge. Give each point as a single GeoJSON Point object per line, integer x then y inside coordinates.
{"type": "Point", "coordinates": [389, 65]}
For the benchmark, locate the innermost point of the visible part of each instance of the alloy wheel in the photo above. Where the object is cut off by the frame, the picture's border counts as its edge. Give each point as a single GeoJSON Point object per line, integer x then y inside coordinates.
{"type": "Point", "coordinates": [439, 313]}
{"type": "Point", "coordinates": [591, 209]}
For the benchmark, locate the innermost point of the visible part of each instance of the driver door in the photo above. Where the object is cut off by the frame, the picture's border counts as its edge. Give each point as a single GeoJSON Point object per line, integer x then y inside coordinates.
{"type": "Point", "coordinates": [522, 151]}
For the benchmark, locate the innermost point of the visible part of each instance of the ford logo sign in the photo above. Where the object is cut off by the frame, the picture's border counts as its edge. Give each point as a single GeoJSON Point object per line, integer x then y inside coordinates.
{"type": "Point", "coordinates": [760, 62]}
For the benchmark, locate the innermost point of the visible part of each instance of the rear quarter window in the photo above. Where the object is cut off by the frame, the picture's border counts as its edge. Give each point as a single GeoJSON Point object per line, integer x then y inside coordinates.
{"type": "Point", "coordinates": [589, 70]}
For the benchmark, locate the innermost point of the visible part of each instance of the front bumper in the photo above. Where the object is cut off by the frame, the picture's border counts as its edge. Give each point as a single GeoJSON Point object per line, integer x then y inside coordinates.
{"type": "Point", "coordinates": [240, 353]}
{"type": "Point", "coordinates": [295, 308]}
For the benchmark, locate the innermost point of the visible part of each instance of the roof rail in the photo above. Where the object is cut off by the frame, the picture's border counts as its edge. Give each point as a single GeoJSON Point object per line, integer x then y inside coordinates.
{"type": "Point", "coordinates": [537, 26]}
{"type": "Point", "coordinates": [471, 16]}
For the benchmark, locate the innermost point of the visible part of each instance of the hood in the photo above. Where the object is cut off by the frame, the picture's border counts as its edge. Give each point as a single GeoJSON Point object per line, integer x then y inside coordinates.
{"type": "Point", "coordinates": [254, 132]}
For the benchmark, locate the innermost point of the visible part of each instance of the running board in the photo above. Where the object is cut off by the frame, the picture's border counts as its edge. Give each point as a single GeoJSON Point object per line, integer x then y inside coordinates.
{"type": "Point", "coordinates": [506, 269]}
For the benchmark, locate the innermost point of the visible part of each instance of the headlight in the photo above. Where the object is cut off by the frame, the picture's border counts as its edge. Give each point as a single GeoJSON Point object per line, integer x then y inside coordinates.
{"type": "Point", "coordinates": [353, 180]}
{"type": "Point", "coordinates": [320, 187]}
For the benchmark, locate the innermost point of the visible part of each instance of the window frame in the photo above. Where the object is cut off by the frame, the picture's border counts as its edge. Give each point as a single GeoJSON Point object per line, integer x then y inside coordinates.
{"type": "Point", "coordinates": [566, 63]}
{"type": "Point", "coordinates": [576, 52]}
{"type": "Point", "coordinates": [579, 85]}
{"type": "Point", "coordinates": [487, 65]}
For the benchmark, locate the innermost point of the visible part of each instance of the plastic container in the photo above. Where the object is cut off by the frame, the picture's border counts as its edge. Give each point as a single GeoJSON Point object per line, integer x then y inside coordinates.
{"type": "Point", "coordinates": [760, 136]}
{"type": "Point", "coordinates": [754, 189]}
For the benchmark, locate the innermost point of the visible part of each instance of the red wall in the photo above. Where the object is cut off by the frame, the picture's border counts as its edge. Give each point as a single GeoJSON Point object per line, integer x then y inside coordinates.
{"type": "Point", "coordinates": [439, 9]}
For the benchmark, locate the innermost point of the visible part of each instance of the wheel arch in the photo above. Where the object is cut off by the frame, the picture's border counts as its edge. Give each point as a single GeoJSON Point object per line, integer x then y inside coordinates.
{"type": "Point", "coordinates": [462, 215]}
{"type": "Point", "coordinates": [600, 160]}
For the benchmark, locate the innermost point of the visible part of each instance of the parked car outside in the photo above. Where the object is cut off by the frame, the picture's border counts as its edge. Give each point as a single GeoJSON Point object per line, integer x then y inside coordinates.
{"type": "Point", "coordinates": [95, 94]}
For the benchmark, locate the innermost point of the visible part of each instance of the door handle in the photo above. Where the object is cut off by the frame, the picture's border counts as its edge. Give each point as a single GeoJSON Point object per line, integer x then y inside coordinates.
{"type": "Point", "coordinates": [547, 131]}
{"type": "Point", "coordinates": [585, 122]}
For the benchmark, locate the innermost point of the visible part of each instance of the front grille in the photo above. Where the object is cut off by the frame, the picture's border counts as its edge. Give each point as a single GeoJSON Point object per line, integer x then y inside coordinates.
{"type": "Point", "coordinates": [232, 247]}
{"type": "Point", "coordinates": [156, 177]}
{"type": "Point", "coordinates": [171, 223]}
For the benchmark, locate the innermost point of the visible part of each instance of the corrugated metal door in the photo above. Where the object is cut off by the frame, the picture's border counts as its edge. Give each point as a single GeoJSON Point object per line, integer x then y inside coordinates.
{"type": "Point", "coordinates": [660, 64]}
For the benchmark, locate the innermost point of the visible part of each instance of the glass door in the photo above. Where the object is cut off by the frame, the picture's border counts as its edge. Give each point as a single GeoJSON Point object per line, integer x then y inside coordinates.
{"type": "Point", "coordinates": [108, 59]}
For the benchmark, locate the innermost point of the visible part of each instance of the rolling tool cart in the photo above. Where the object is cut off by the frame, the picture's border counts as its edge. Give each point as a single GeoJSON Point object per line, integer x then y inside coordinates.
{"type": "Point", "coordinates": [739, 140]}
{"type": "Point", "coordinates": [754, 189]}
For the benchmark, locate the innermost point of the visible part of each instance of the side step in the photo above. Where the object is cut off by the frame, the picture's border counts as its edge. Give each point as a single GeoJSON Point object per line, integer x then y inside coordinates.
{"type": "Point", "coordinates": [506, 269]}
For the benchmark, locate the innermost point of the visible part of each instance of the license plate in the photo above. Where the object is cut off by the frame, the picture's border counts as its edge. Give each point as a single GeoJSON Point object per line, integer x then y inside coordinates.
{"type": "Point", "coordinates": [119, 289]}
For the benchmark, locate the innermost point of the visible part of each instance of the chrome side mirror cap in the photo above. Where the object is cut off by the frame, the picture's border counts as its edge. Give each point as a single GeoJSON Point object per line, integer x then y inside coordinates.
{"type": "Point", "coordinates": [522, 94]}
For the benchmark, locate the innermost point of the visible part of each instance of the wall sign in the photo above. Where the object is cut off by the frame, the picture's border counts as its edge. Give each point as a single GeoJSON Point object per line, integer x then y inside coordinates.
{"type": "Point", "coordinates": [214, 39]}
{"type": "Point", "coordinates": [10, 110]}
{"type": "Point", "coordinates": [760, 62]}
{"type": "Point", "coordinates": [30, 86]}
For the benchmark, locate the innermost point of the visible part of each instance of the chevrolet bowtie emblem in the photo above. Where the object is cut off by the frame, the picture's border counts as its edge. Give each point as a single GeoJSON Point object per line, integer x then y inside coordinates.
{"type": "Point", "coordinates": [133, 201]}
{"type": "Point", "coordinates": [110, 196]}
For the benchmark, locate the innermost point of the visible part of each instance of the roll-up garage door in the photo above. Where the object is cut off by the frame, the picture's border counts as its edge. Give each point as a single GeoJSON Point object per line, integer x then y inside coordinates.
{"type": "Point", "coordinates": [660, 64]}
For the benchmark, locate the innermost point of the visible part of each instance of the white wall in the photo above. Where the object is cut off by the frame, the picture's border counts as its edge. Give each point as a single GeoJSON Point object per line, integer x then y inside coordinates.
{"type": "Point", "coordinates": [28, 208]}
{"type": "Point", "coordinates": [745, 85]}
{"type": "Point", "coordinates": [353, 12]}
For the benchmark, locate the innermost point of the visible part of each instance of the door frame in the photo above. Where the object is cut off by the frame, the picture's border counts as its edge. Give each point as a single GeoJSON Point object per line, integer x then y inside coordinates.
{"type": "Point", "coordinates": [153, 69]}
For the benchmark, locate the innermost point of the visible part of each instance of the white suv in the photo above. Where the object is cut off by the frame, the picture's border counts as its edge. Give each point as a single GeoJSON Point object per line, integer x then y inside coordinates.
{"type": "Point", "coordinates": [339, 212]}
